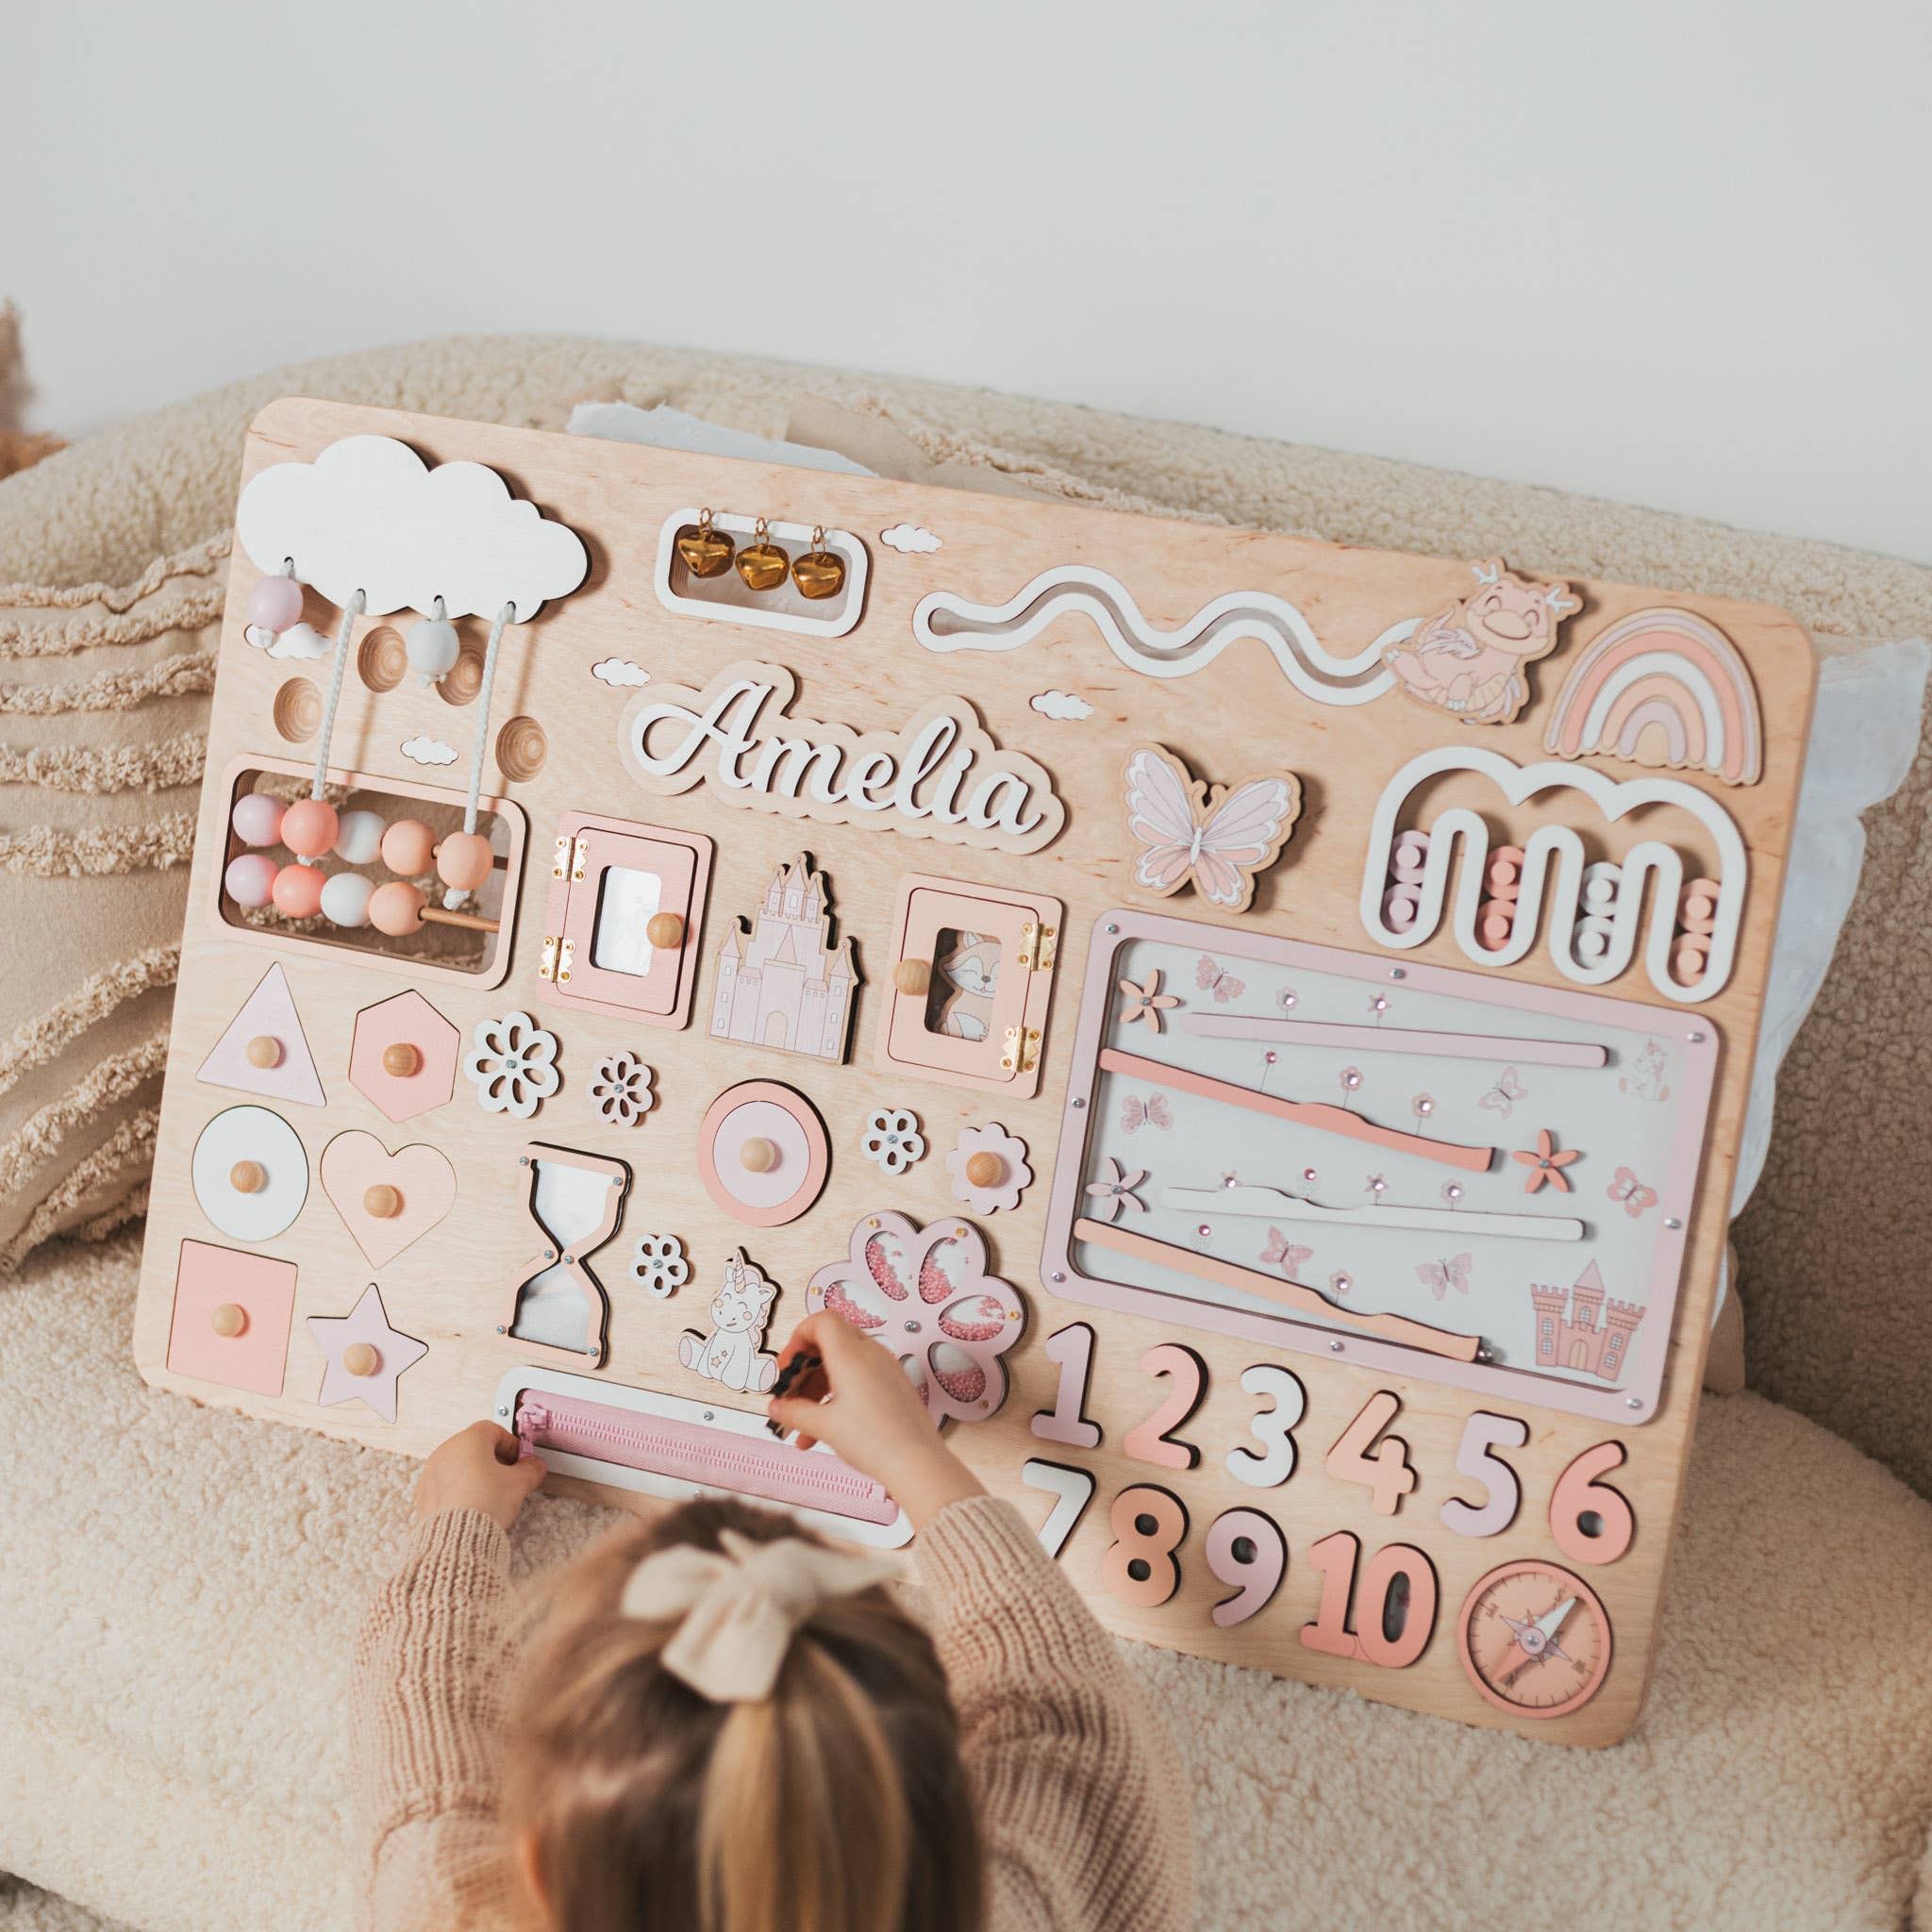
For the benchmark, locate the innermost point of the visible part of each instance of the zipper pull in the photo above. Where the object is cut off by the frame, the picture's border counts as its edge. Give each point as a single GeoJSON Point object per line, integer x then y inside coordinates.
{"type": "Point", "coordinates": [532, 1419]}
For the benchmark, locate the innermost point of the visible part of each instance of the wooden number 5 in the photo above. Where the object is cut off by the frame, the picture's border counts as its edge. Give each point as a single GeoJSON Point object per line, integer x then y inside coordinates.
{"type": "Point", "coordinates": [1483, 1433]}
{"type": "Point", "coordinates": [1149, 1442]}
{"type": "Point", "coordinates": [1386, 1474]}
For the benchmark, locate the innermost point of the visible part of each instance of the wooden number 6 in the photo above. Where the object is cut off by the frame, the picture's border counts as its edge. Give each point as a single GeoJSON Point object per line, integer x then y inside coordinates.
{"type": "Point", "coordinates": [1386, 1474]}
{"type": "Point", "coordinates": [1140, 1567]}
{"type": "Point", "coordinates": [1592, 1521]}
{"type": "Point", "coordinates": [1149, 1441]}
{"type": "Point", "coordinates": [1265, 1472]}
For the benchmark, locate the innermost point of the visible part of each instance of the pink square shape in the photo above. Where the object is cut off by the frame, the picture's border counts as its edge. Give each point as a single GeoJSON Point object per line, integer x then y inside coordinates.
{"type": "Point", "coordinates": [262, 1287]}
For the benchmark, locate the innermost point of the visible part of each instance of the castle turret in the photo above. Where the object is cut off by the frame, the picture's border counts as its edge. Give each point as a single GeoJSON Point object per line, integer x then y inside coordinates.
{"type": "Point", "coordinates": [1549, 1313]}
{"type": "Point", "coordinates": [1589, 1293]}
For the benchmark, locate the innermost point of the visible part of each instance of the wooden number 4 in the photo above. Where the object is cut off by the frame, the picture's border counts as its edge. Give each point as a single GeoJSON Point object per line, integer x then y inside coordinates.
{"type": "Point", "coordinates": [1386, 1474]}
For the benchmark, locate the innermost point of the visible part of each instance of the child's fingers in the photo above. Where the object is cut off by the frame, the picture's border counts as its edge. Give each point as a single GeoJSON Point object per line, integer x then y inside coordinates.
{"type": "Point", "coordinates": [529, 1472]}
{"type": "Point", "coordinates": [796, 1413]}
{"type": "Point", "coordinates": [503, 1445]}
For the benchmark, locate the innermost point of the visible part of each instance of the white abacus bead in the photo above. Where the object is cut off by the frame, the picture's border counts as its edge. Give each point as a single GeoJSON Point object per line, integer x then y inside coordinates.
{"type": "Point", "coordinates": [432, 648]}
{"type": "Point", "coordinates": [345, 898]}
{"type": "Point", "coordinates": [359, 837]}
{"type": "Point", "coordinates": [1602, 882]}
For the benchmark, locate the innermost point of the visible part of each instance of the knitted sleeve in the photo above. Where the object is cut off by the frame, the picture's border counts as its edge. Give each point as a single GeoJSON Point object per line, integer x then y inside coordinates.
{"type": "Point", "coordinates": [426, 1723]}
{"type": "Point", "coordinates": [1083, 1807]}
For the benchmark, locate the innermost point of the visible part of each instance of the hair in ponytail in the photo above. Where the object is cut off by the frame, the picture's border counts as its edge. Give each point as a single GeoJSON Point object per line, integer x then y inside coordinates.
{"type": "Point", "coordinates": [837, 1803]}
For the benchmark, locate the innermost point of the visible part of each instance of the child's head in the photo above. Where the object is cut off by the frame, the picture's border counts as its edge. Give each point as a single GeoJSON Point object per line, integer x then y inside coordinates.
{"type": "Point", "coordinates": [836, 1802]}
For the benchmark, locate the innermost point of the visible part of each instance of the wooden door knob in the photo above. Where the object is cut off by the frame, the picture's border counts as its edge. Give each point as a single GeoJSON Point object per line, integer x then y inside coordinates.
{"type": "Point", "coordinates": [759, 1155]}
{"type": "Point", "coordinates": [229, 1320]}
{"type": "Point", "coordinates": [248, 1177]}
{"type": "Point", "coordinates": [382, 1201]}
{"type": "Point", "coordinates": [913, 976]}
{"type": "Point", "coordinates": [400, 1060]}
{"type": "Point", "coordinates": [264, 1051]}
{"type": "Point", "coordinates": [361, 1358]}
{"type": "Point", "coordinates": [665, 932]}
{"type": "Point", "coordinates": [986, 1170]}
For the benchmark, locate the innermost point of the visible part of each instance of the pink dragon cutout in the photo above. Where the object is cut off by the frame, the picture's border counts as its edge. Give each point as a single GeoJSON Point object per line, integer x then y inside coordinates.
{"type": "Point", "coordinates": [1471, 659]}
{"type": "Point", "coordinates": [925, 1292]}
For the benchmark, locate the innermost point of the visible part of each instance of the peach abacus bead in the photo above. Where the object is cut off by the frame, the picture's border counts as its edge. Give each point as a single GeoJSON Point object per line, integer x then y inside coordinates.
{"type": "Point", "coordinates": [257, 818]}
{"type": "Point", "coordinates": [309, 827]}
{"type": "Point", "coordinates": [276, 602]}
{"type": "Point", "coordinates": [250, 879]}
{"type": "Point", "coordinates": [406, 848]}
{"type": "Point", "coordinates": [297, 892]}
{"type": "Point", "coordinates": [396, 909]}
{"type": "Point", "coordinates": [463, 860]}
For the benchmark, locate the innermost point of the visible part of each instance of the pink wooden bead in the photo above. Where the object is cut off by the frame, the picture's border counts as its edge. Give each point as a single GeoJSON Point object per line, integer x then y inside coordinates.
{"type": "Point", "coordinates": [250, 879]}
{"type": "Point", "coordinates": [396, 909]}
{"type": "Point", "coordinates": [1398, 908]}
{"type": "Point", "coordinates": [1687, 964]}
{"type": "Point", "coordinates": [464, 860]}
{"type": "Point", "coordinates": [276, 602]}
{"type": "Point", "coordinates": [258, 819]}
{"type": "Point", "coordinates": [1495, 922]}
{"type": "Point", "coordinates": [298, 891]}
{"type": "Point", "coordinates": [406, 847]}
{"type": "Point", "coordinates": [309, 827]}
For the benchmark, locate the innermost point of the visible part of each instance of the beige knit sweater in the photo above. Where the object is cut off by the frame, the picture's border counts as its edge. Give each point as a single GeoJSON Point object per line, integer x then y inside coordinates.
{"type": "Point", "coordinates": [1083, 1810]}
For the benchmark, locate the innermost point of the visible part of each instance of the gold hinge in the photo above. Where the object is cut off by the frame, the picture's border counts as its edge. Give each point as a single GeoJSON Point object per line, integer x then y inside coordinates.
{"type": "Point", "coordinates": [560, 865]}
{"type": "Point", "coordinates": [546, 966]}
{"type": "Point", "coordinates": [580, 857]}
{"type": "Point", "coordinates": [566, 951]}
{"type": "Point", "coordinates": [1038, 947]}
{"type": "Point", "coordinates": [1023, 1050]}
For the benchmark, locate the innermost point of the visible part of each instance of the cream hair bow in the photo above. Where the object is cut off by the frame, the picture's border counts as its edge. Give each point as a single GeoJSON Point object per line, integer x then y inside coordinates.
{"type": "Point", "coordinates": [740, 1605]}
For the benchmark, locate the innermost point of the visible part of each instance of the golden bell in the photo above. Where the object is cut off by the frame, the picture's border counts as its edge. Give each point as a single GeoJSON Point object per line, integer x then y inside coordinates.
{"type": "Point", "coordinates": [819, 573]}
{"type": "Point", "coordinates": [761, 563]}
{"type": "Point", "coordinates": [706, 551]}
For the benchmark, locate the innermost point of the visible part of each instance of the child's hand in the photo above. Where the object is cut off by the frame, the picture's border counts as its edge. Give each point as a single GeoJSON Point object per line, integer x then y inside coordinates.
{"type": "Point", "coordinates": [860, 1403]}
{"type": "Point", "coordinates": [477, 1469]}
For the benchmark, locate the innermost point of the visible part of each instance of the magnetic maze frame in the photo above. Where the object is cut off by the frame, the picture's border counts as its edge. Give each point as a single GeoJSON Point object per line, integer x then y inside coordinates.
{"type": "Point", "coordinates": [1236, 716]}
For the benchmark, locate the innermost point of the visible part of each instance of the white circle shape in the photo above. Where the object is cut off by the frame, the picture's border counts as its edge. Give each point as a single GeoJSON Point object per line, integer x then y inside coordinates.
{"type": "Point", "coordinates": [250, 1133]}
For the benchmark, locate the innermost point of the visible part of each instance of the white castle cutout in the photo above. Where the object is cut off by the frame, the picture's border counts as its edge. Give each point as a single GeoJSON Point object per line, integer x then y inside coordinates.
{"type": "Point", "coordinates": [784, 984]}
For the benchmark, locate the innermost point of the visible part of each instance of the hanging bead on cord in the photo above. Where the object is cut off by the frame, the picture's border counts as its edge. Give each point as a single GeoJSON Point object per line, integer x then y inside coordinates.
{"type": "Point", "coordinates": [432, 646]}
{"type": "Point", "coordinates": [464, 859]}
{"type": "Point", "coordinates": [310, 827]}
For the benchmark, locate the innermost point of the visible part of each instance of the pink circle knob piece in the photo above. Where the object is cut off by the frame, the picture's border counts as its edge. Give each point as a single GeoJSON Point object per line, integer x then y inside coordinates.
{"type": "Point", "coordinates": [309, 827]}
{"type": "Point", "coordinates": [464, 860]}
{"type": "Point", "coordinates": [276, 602]}
{"type": "Point", "coordinates": [250, 879]}
{"type": "Point", "coordinates": [258, 819]}
{"type": "Point", "coordinates": [406, 847]}
{"type": "Point", "coordinates": [297, 892]}
{"type": "Point", "coordinates": [396, 909]}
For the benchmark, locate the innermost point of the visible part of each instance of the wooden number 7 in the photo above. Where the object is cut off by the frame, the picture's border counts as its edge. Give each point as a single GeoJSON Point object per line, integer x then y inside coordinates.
{"type": "Point", "coordinates": [1386, 1474]}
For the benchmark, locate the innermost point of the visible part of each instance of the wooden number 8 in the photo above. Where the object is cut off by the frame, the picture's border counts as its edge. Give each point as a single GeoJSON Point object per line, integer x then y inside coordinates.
{"type": "Point", "coordinates": [1140, 1567]}
{"type": "Point", "coordinates": [1592, 1521]}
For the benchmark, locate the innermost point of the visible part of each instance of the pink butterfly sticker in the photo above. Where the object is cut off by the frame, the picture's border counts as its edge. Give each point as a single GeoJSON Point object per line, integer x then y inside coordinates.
{"type": "Point", "coordinates": [1504, 1096]}
{"type": "Point", "coordinates": [1214, 838]}
{"type": "Point", "coordinates": [1284, 1254]}
{"type": "Point", "coordinates": [1635, 1196]}
{"type": "Point", "coordinates": [1439, 1277]}
{"type": "Point", "coordinates": [1137, 1113]}
{"type": "Point", "coordinates": [1212, 977]}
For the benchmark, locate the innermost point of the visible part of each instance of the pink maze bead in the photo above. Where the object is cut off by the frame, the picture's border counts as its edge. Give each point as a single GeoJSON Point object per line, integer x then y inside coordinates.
{"type": "Point", "coordinates": [1505, 872]}
{"type": "Point", "coordinates": [1687, 963]}
{"type": "Point", "coordinates": [1405, 857]}
{"type": "Point", "coordinates": [1398, 908]}
{"type": "Point", "coordinates": [297, 892]}
{"type": "Point", "coordinates": [406, 848]}
{"type": "Point", "coordinates": [1698, 912]}
{"type": "Point", "coordinates": [1494, 922]}
{"type": "Point", "coordinates": [309, 827]}
{"type": "Point", "coordinates": [276, 602]}
{"type": "Point", "coordinates": [250, 880]}
{"type": "Point", "coordinates": [258, 819]}
{"type": "Point", "coordinates": [396, 909]}
{"type": "Point", "coordinates": [464, 860]}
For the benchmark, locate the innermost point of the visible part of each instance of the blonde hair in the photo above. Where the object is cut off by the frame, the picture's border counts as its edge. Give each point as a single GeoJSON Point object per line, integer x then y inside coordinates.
{"type": "Point", "coordinates": [839, 1804]}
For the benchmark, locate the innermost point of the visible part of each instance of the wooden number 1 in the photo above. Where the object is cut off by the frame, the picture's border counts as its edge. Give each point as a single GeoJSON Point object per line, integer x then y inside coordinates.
{"type": "Point", "coordinates": [1149, 1441]}
{"type": "Point", "coordinates": [1386, 1474]}
{"type": "Point", "coordinates": [1072, 1348]}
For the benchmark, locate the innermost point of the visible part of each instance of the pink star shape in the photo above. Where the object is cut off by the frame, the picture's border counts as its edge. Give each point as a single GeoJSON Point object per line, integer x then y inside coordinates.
{"type": "Point", "coordinates": [395, 1351]}
{"type": "Point", "coordinates": [1544, 1163]}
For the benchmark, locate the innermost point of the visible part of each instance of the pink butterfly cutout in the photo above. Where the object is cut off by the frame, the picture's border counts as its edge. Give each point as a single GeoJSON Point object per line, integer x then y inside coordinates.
{"type": "Point", "coordinates": [1212, 837]}
{"type": "Point", "coordinates": [1137, 1113]}
{"type": "Point", "coordinates": [1635, 1196]}
{"type": "Point", "coordinates": [1439, 1277]}
{"type": "Point", "coordinates": [1284, 1254]}
{"type": "Point", "coordinates": [1505, 1093]}
{"type": "Point", "coordinates": [1213, 977]}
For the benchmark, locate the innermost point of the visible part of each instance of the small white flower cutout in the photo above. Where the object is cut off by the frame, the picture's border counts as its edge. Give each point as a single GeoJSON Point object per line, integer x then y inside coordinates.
{"type": "Point", "coordinates": [621, 1089]}
{"type": "Point", "coordinates": [660, 1265]}
{"type": "Point", "coordinates": [892, 1139]}
{"type": "Point", "coordinates": [1115, 1191]}
{"type": "Point", "coordinates": [513, 1062]}
{"type": "Point", "coordinates": [989, 1169]}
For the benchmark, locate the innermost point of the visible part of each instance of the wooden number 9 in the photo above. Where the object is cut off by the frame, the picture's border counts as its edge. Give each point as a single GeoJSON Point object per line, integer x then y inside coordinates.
{"type": "Point", "coordinates": [1592, 1521]}
{"type": "Point", "coordinates": [1244, 1548]}
{"type": "Point", "coordinates": [1140, 1567]}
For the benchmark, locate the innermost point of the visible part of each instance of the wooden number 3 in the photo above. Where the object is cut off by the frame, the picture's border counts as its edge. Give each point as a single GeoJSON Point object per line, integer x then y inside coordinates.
{"type": "Point", "coordinates": [1386, 1474]}
{"type": "Point", "coordinates": [1149, 1442]}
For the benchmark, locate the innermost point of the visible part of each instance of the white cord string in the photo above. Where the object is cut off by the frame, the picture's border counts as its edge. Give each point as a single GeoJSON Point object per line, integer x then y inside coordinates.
{"type": "Point", "coordinates": [350, 611]}
{"type": "Point", "coordinates": [503, 617]}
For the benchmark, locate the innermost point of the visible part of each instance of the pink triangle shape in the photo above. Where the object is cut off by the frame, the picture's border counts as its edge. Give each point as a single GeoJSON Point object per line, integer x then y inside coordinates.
{"type": "Point", "coordinates": [270, 1009]}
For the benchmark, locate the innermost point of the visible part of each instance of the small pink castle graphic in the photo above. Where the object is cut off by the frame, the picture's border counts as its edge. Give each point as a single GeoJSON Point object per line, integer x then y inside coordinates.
{"type": "Point", "coordinates": [784, 984]}
{"type": "Point", "coordinates": [1575, 1341]}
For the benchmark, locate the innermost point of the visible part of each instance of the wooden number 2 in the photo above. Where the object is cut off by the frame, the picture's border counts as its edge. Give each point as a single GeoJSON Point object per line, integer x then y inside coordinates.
{"type": "Point", "coordinates": [1072, 1347]}
{"type": "Point", "coordinates": [1386, 1474]}
{"type": "Point", "coordinates": [1149, 1441]}
{"type": "Point", "coordinates": [1266, 1472]}
{"type": "Point", "coordinates": [1395, 1611]}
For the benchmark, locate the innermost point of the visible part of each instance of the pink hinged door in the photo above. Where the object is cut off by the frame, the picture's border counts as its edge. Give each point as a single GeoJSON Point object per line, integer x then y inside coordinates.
{"type": "Point", "coordinates": [971, 975]}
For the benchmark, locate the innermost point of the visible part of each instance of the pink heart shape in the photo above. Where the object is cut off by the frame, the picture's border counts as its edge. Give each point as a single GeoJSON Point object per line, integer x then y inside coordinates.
{"type": "Point", "coordinates": [354, 1162]}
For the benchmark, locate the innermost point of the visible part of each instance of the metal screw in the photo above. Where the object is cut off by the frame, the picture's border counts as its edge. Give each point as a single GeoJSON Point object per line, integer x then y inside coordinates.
{"type": "Point", "coordinates": [502, 1411]}
{"type": "Point", "coordinates": [1080, 1103]}
{"type": "Point", "coordinates": [1695, 1038]}
{"type": "Point", "coordinates": [1059, 1275]}
{"type": "Point", "coordinates": [711, 1416]}
{"type": "Point", "coordinates": [1335, 1348]}
{"type": "Point", "coordinates": [502, 1330]}
{"type": "Point", "coordinates": [1113, 928]}
{"type": "Point", "coordinates": [1398, 973]}
{"type": "Point", "coordinates": [1631, 1402]}
{"type": "Point", "coordinates": [1671, 1220]}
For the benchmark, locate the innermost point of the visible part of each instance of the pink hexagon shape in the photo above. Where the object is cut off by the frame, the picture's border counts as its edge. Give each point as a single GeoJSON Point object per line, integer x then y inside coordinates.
{"type": "Point", "coordinates": [408, 1020]}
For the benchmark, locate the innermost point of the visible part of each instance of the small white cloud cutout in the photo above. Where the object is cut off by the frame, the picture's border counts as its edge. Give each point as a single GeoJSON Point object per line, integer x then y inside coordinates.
{"type": "Point", "coordinates": [620, 670]}
{"type": "Point", "coordinates": [908, 538]}
{"type": "Point", "coordinates": [300, 641]}
{"type": "Point", "coordinates": [369, 514]}
{"type": "Point", "coordinates": [1061, 704]}
{"type": "Point", "coordinates": [428, 751]}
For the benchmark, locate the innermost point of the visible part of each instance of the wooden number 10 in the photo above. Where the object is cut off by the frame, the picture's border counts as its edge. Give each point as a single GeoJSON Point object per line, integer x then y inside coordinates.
{"type": "Point", "coordinates": [1386, 1474]}
{"type": "Point", "coordinates": [1394, 1608]}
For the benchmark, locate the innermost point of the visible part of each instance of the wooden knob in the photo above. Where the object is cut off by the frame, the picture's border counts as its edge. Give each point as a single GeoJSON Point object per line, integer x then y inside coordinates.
{"type": "Point", "coordinates": [382, 1201]}
{"type": "Point", "coordinates": [248, 1177]}
{"type": "Point", "coordinates": [913, 976]}
{"type": "Point", "coordinates": [759, 1155]}
{"type": "Point", "coordinates": [264, 1051]}
{"type": "Point", "coordinates": [400, 1060]}
{"type": "Point", "coordinates": [986, 1170]}
{"type": "Point", "coordinates": [665, 932]}
{"type": "Point", "coordinates": [229, 1320]}
{"type": "Point", "coordinates": [361, 1358]}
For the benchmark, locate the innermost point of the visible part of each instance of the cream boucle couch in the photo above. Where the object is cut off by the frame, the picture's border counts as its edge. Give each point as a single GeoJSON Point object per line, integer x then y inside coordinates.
{"type": "Point", "coordinates": [177, 1586]}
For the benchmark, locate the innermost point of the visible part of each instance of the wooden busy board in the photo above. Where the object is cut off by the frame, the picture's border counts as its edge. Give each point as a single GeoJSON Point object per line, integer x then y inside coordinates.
{"type": "Point", "coordinates": [1303, 1199]}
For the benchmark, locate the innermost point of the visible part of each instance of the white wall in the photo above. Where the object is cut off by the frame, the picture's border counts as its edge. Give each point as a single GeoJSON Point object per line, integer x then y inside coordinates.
{"type": "Point", "coordinates": [1673, 254]}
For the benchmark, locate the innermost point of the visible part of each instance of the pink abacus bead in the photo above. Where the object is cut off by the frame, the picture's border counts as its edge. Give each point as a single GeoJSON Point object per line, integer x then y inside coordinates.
{"type": "Point", "coordinates": [276, 602]}
{"type": "Point", "coordinates": [396, 909]}
{"type": "Point", "coordinates": [258, 819]}
{"type": "Point", "coordinates": [297, 892]}
{"type": "Point", "coordinates": [406, 848]}
{"type": "Point", "coordinates": [250, 879]}
{"type": "Point", "coordinates": [309, 827]}
{"type": "Point", "coordinates": [463, 860]}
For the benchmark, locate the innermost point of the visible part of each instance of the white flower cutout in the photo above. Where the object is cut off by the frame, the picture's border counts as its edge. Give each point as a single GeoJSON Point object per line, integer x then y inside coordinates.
{"type": "Point", "coordinates": [513, 1062]}
{"type": "Point", "coordinates": [892, 1139]}
{"type": "Point", "coordinates": [1115, 1191]}
{"type": "Point", "coordinates": [989, 1169]}
{"type": "Point", "coordinates": [658, 1264]}
{"type": "Point", "coordinates": [621, 1089]}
